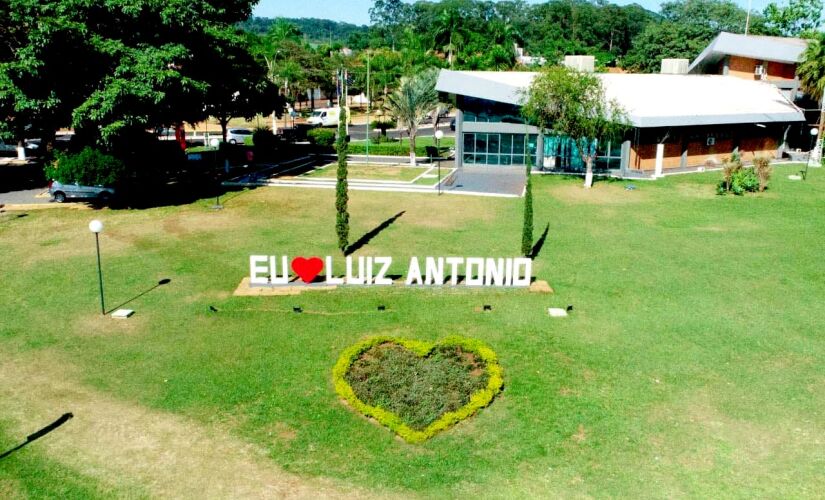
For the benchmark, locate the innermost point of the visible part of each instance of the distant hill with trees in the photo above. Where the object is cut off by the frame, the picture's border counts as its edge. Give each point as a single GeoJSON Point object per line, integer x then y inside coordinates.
{"type": "Point", "coordinates": [316, 31]}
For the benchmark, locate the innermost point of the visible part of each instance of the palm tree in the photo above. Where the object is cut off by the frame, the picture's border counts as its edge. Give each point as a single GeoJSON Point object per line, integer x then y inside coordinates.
{"type": "Point", "coordinates": [446, 27]}
{"type": "Point", "coordinates": [812, 77]}
{"type": "Point", "coordinates": [413, 101]}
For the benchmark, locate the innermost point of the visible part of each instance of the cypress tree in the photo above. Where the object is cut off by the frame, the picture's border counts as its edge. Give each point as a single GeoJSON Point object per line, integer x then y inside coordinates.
{"type": "Point", "coordinates": [527, 229]}
{"type": "Point", "coordinates": [341, 194]}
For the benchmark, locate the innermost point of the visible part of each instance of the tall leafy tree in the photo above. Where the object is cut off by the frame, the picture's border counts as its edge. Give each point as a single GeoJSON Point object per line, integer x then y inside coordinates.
{"type": "Point", "coordinates": [412, 102]}
{"type": "Point", "coordinates": [687, 26]}
{"type": "Point", "coordinates": [569, 103]}
{"type": "Point", "coordinates": [794, 19]}
{"type": "Point", "coordinates": [105, 67]}
{"type": "Point", "coordinates": [389, 17]}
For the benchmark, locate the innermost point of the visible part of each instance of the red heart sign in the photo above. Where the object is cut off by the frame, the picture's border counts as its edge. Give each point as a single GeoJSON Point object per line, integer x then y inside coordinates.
{"type": "Point", "coordinates": [307, 269]}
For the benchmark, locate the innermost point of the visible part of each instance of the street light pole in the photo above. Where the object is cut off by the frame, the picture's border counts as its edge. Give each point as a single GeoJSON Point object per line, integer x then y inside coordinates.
{"type": "Point", "coordinates": [216, 144]}
{"type": "Point", "coordinates": [438, 135]}
{"type": "Point", "coordinates": [97, 227]}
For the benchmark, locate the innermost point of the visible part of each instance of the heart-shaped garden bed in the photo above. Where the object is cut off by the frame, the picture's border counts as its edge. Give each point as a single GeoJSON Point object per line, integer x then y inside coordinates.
{"type": "Point", "coordinates": [415, 388]}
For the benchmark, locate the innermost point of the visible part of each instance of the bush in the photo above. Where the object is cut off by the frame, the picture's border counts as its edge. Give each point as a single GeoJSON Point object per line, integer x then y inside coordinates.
{"type": "Point", "coordinates": [731, 166]}
{"type": "Point", "coordinates": [740, 180]}
{"type": "Point", "coordinates": [478, 400]}
{"type": "Point", "coordinates": [265, 143]}
{"type": "Point", "coordinates": [383, 126]}
{"type": "Point", "coordinates": [762, 166]}
{"type": "Point", "coordinates": [89, 167]}
{"type": "Point", "coordinates": [323, 137]}
{"type": "Point", "coordinates": [381, 139]}
{"type": "Point", "coordinates": [393, 148]}
{"type": "Point", "coordinates": [744, 180]}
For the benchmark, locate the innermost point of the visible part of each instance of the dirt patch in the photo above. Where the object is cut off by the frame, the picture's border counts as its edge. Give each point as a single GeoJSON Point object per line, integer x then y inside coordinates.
{"type": "Point", "coordinates": [691, 190]}
{"type": "Point", "coordinates": [580, 436]}
{"type": "Point", "coordinates": [10, 490]}
{"type": "Point", "coordinates": [704, 430]}
{"type": "Point", "coordinates": [168, 455]}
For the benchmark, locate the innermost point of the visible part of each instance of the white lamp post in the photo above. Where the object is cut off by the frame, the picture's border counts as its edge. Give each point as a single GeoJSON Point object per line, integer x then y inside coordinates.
{"type": "Point", "coordinates": [815, 154]}
{"type": "Point", "coordinates": [97, 227]}
{"type": "Point", "coordinates": [438, 136]}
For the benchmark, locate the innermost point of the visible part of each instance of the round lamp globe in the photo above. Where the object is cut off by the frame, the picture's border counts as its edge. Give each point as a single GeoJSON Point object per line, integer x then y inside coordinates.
{"type": "Point", "coordinates": [439, 134]}
{"type": "Point", "coordinates": [814, 132]}
{"type": "Point", "coordinates": [214, 143]}
{"type": "Point", "coordinates": [96, 226]}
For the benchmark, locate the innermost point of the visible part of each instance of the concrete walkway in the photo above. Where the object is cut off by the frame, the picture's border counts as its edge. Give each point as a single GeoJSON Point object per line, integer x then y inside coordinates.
{"type": "Point", "coordinates": [507, 182]}
{"type": "Point", "coordinates": [501, 181]}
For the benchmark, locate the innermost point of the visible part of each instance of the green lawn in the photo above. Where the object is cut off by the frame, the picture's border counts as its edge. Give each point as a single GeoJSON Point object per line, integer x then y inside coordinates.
{"type": "Point", "coordinates": [360, 171]}
{"type": "Point", "coordinates": [693, 363]}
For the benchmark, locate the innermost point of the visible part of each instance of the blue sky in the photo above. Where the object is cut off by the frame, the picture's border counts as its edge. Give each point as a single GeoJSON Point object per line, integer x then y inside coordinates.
{"type": "Point", "coordinates": [357, 11]}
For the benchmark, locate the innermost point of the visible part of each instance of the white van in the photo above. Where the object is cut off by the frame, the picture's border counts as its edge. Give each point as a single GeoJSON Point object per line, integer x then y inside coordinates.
{"type": "Point", "coordinates": [325, 117]}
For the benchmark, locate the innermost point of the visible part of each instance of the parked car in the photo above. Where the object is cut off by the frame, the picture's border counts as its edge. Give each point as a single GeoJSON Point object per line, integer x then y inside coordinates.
{"type": "Point", "coordinates": [61, 192]}
{"type": "Point", "coordinates": [237, 135]}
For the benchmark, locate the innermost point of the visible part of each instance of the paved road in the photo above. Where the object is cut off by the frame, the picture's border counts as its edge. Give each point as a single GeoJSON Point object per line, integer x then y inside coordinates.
{"type": "Point", "coordinates": [24, 197]}
{"type": "Point", "coordinates": [359, 132]}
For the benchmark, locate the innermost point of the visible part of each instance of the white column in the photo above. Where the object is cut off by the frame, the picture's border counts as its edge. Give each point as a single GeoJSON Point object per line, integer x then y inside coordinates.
{"type": "Point", "coordinates": [660, 158]}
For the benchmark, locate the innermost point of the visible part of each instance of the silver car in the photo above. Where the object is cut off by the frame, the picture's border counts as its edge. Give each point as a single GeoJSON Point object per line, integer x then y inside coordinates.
{"type": "Point", "coordinates": [237, 135]}
{"type": "Point", "coordinates": [61, 192]}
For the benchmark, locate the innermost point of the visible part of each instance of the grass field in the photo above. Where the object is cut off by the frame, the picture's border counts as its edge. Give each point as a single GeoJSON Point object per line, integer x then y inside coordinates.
{"type": "Point", "coordinates": [360, 171]}
{"type": "Point", "coordinates": [693, 363]}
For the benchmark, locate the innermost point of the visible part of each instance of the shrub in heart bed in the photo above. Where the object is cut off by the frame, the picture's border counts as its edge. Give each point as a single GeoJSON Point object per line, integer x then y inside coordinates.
{"type": "Point", "coordinates": [415, 388]}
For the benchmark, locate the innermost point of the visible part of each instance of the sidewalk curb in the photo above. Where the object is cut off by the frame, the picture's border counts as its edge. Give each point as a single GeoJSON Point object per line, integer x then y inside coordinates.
{"type": "Point", "coordinates": [19, 207]}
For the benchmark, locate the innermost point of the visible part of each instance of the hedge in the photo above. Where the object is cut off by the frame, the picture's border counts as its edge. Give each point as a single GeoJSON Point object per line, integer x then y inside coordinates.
{"type": "Point", "coordinates": [323, 137]}
{"type": "Point", "coordinates": [89, 167]}
{"type": "Point", "coordinates": [478, 400]}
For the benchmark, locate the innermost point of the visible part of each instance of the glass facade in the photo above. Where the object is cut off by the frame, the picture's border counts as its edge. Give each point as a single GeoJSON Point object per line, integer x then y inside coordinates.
{"type": "Point", "coordinates": [481, 110]}
{"type": "Point", "coordinates": [562, 153]}
{"type": "Point", "coordinates": [498, 149]}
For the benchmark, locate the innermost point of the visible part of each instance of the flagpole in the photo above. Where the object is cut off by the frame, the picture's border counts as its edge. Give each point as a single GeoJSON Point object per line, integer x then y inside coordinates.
{"type": "Point", "coordinates": [369, 104]}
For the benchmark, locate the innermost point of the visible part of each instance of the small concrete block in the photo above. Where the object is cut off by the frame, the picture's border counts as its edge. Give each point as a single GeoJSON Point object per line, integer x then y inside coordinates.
{"type": "Point", "coordinates": [541, 286]}
{"type": "Point", "coordinates": [795, 177]}
{"type": "Point", "coordinates": [122, 313]}
{"type": "Point", "coordinates": [556, 312]}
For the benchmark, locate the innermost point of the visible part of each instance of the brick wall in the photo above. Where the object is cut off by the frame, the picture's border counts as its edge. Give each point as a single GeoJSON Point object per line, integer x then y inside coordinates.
{"type": "Point", "coordinates": [643, 155]}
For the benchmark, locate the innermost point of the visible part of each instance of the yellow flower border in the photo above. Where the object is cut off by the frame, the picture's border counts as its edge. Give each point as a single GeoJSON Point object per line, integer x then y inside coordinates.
{"type": "Point", "coordinates": [478, 400]}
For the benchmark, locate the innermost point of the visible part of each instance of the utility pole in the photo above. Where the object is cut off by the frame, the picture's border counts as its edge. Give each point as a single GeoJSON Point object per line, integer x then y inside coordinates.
{"type": "Point", "coordinates": [815, 156]}
{"type": "Point", "coordinates": [346, 101]}
{"type": "Point", "coordinates": [748, 18]}
{"type": "Point", "coordinates": [369, 105]}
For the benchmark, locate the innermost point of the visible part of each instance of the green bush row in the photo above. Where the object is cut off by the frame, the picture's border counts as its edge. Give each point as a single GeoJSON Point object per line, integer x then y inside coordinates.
{"type": "Point", "coordinates": [89, 167]}
{"type": "Point", "coordinates": [385, 149]}
{"type": "Point", "coordinates": [478, 400]}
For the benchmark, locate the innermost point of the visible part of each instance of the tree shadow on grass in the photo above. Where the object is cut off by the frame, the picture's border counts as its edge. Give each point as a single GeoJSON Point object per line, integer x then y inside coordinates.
{"type": "Point", "coordinates": [5, 217]}
{"type": "Point", "coordinates": [364, 240]}
{"type": "Point", "coordinates": [39, 434]}
{"type": "Point", "coordinates": [539, 243]}
{"type": "Point", "coordinates": [141, 294]}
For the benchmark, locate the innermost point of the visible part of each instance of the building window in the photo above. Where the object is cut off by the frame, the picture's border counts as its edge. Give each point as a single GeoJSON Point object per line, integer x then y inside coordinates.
{"type": "Point", "coordinates": [482, 110]}
{"type": "Point", "coordinates": [498, 149]}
